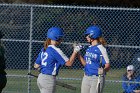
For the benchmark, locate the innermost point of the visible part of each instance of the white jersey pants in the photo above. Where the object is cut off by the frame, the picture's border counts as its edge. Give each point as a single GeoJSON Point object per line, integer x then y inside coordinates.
{"type": "Point", "coordinates": [46, 83]}
{"type": "Point", "coordinates": [90, 84]}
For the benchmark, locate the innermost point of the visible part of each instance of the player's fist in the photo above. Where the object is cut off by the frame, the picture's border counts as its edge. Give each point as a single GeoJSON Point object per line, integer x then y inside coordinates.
{"type": "Point", "coordinates": [77, 48]}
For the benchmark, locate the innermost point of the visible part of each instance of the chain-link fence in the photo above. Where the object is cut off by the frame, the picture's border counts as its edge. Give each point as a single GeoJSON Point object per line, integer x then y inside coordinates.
{"type": "Point", "coordinates": [25, 26]}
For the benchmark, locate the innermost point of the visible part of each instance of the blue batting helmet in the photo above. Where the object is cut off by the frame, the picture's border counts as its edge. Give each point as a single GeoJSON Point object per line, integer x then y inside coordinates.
{"type": "Point", "coordinates": [93, 32]}
{"type": "Point", "coordinates": [55, 33]}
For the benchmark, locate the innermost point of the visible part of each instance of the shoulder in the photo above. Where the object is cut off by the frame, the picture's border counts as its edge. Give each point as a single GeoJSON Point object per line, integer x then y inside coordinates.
{"type": "Point", "coordinates": [97, 48]}
{"type": "Point", "coordinates": [101, 47]}
{"type": "Point", "coordinates": [138, 77]}
{"type": "Point", "coordinates": [58, 52]}
{"type": "Point", "coordinates": [55, 49]}
{"type": "Point", "coordinates": [103, 51]}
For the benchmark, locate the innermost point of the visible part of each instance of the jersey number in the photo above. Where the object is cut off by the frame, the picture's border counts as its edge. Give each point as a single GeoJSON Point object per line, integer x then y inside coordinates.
{"type": "Point", "coordinates": [88, 61]}
{"type": "Point", "coordinates": [44, 57]}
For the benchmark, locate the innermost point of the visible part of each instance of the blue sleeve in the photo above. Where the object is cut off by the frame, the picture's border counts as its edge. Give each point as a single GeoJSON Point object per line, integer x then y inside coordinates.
{"type": "Point", "coordinates": [128, 88]}
{"type": "Point", "coordinates": [38, 60]}
{"type": "Point", "coordinates": [103, 52]}
{"type": "Point", "coordinates": [138, 80]}
{"type": "Point", "coordinates": [124, 85]}
{"type": "Point", "coordinates": [60, 57]}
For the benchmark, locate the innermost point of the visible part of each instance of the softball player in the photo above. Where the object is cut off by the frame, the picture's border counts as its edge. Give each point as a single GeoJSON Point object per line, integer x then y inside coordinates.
{"type": "Point", "coordinates": [50, 59]}
{"type": "Point", "coordinates": [91, 61]}
{"type": "Point", "coordinates": [131, 77]}
{"type": "Point", "coordinates": [3, 79]}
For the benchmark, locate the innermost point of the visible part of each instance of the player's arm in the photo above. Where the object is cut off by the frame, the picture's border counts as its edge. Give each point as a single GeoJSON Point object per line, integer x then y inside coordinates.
{"type": "Point", "coordinates": [71, 59]}
{"type": "Point", "coordinates": [77, 48]}
{"type": "Point", "coordinates": [136, 91]}
{"type": "Point", "coordinates": [38, 61]}
{"type": "Point", "coordinates": [83, 62]}
{"type": "Point", "coordinates": [107, 67]}
{"type": "Point", "coordinates": [36, 66]}
{"type": "Point", "coordinates": [63, 59]}
{"type": "Point", "coordinates": [106, 61]}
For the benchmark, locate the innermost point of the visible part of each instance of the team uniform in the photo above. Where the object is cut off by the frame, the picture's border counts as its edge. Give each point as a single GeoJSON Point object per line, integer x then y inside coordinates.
{"type": "Point", "coordinates": [129, 86]}
{"type": "Point", "coordinates": [50, 61]}
{"type": "Point", "coordinates": [95, 57]}
{"type": "Point", "coordinates": [92, 58]}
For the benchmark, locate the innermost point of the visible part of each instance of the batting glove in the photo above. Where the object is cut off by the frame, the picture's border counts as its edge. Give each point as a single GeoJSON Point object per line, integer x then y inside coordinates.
{"type": "Point", "coordinates": [77, 48]}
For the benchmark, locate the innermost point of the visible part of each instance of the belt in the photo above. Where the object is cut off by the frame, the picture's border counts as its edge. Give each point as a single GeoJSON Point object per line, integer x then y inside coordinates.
{"type": "Point", "coordinates": [48, 74]}
{"type": "Point", "coordinates": [90, 75]}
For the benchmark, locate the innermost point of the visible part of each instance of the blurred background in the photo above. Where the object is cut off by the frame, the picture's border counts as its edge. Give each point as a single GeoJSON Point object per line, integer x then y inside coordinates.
{"type": "Point", "coordinates": [113, 3]}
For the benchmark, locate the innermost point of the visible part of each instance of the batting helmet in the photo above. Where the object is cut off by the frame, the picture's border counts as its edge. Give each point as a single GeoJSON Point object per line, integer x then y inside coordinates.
{"type": "Point", "coordinates": [93, 32]}
{"type": "Point", "coordinates": [1, 34]}
{"type": "Point", "coordinates": [55, 33]}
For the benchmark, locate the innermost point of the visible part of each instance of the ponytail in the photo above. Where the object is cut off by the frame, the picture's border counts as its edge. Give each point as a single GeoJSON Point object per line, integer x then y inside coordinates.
{"type": "Point", "coordinates": [102, 41]}
{"type": "Point", "coordinates": [47, 43]}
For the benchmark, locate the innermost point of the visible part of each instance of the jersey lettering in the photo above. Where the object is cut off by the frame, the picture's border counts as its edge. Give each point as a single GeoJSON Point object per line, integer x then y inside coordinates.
{"type": "Point", "coordinates": [92, 55]}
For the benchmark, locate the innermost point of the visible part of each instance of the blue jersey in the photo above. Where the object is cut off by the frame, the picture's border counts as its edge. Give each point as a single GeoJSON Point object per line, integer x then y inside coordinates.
{"type": "Point", "coordinates": [51, 60]}
{"type": "Point", "coordinates": [92, 58]}
{"type": "Point", "coordinates": [129, 86]}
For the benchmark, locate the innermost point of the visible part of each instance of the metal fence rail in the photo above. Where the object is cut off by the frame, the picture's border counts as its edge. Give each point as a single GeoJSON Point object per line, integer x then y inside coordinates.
{"type": "Point", "coordinates": [25, 26]}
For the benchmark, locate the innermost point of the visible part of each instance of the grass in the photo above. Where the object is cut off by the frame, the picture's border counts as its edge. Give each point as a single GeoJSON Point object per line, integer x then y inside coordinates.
{"type": "Point", "coordinates": [18, 84]}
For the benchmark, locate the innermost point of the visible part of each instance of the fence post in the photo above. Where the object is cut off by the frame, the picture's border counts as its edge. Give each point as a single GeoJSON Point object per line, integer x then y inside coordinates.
{"type": "Point", "coordinates": [30, 50]}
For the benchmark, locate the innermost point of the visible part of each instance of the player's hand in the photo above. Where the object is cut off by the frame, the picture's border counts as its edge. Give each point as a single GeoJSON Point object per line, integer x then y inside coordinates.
{"type": "Point", "coordinates": [77, 48]}
{"type": "Point", "coordinates": [136, 91]}
{"type": "Point", "coordinates": [100, 71]}
{"type": "Point", "coordinates": [129, 76]}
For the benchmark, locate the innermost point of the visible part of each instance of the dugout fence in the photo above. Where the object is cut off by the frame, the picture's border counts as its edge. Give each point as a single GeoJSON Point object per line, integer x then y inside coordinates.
{"type": "Point", "coordinates": [25, 26]}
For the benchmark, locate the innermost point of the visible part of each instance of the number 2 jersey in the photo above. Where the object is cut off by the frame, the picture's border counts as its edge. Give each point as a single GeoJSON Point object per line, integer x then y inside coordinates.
{"type": "Point", "coordinates": [92, 58]}
{"type": "Point", "coordinates": [50, 60]}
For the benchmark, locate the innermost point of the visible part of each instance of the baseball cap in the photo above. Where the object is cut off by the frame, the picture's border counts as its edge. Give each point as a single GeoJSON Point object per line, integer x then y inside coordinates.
{"type": "Point", "coordinates": [130, 67]}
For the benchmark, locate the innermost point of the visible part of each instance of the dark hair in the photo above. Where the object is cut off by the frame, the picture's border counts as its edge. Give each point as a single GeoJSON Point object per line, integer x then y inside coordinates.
{"type": "Point", "coordinates": [102, 41]}
{"type": "Point", "coordinates": [47, 43]}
